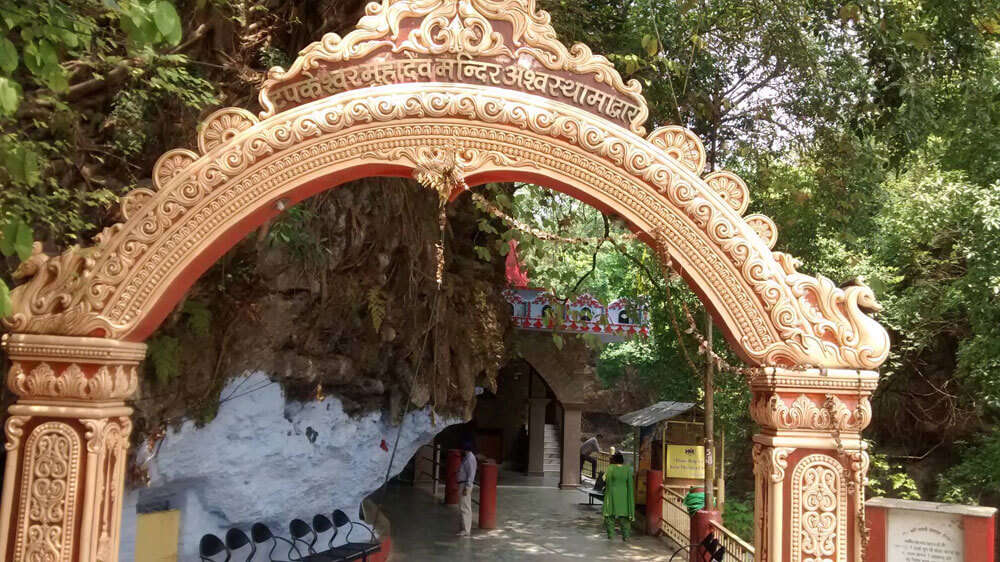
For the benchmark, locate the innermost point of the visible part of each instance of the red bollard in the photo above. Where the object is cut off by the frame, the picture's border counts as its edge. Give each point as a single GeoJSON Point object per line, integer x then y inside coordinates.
{"type": "Point", "coordinates": [488, 472]}
{"type": "Point", "coordinates": [700, 528]}
{"type": "Point", "coordinates": [654, 501]}
{"type": "Point", "coordinates": [451, 476]}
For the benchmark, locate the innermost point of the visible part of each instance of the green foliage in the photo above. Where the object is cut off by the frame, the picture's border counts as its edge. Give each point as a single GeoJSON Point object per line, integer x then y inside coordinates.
{"type": "Point", "coordinates": [56, 58]}
{"type": "Point", "coordinates": [165, 357]}
{"type": "Point", "coordinates": [870, 133]}
{"type": "Point", "coordinates": [199, 318]}
{"type": "Point", "coordinates": [974, 479]}
{"type": "Point", "coordinates": [291, 231]}
{"type": "Point", "coordinates": [16, 239]}
{"type": "Point", "coordinates": [738, 517]}
{"type": "Point", "coordinates": [167, 79]}
{"type": "Point", "coordinates": [890, 480]}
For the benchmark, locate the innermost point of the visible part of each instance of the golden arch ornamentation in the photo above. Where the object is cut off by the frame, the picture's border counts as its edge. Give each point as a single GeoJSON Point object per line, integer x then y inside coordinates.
{"type": "Point", "coordinates": [455, 93]}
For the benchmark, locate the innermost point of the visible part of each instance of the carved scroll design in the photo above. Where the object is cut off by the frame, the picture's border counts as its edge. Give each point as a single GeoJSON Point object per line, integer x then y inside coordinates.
{"type": "Point", "coordinates": [48, 494]}
{"type": "Point", "coordinates": [107, 383]}
{"type": "Point", "coordinates": [819, 511]}
{"type": "Point", "coordinates": [105, 289]}
{"type": "Point", "coordinates": [772, 411]}
{"type": "Point", "coordinates": [770, 462]}
{"type": "Point", "coordinates": [14, 430]}
{"type": "Point", "coordinates": [107, 442]}
{"type": "Point", "coordinates": [461, 27]}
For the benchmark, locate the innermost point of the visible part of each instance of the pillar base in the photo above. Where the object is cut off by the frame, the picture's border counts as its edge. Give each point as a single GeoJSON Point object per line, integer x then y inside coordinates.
{"type": "Point", "coordinates": [701, 526]}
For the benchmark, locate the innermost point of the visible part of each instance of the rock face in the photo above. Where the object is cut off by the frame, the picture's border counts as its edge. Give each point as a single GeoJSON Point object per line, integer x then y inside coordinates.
{"type": "Point", "coordinates": [267, 459]}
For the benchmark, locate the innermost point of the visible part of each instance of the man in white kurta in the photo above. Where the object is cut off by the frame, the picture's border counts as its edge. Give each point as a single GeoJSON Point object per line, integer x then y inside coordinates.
{"type": "Point", "coordinates": [466, 480]}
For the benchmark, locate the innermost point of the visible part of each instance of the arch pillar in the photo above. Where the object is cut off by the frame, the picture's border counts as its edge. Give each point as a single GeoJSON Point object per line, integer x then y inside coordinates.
{"type": "Point", "coordinates": [67, 446]}
{"type": "Point", "coordinates": [571, 428]}
{"type": "Point", "coordinates": [810, 463]}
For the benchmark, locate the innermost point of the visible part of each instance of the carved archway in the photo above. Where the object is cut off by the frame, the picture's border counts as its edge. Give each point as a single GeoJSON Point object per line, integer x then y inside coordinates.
{"type": "Point", "coordinates": [455, 93]}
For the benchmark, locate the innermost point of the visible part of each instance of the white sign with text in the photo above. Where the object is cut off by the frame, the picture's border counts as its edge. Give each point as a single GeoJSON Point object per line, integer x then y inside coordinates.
{"type": "Point", "coordinates": [920, 536]}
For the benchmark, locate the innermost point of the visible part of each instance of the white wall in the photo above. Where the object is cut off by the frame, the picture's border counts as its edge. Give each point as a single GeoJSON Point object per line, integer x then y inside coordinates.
{"type": "Point", "coordinates": [256, 462]}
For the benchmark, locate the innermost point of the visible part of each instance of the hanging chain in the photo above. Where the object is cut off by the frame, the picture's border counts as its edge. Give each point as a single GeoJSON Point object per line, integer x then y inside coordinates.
{"type": "Point", "coordinates": [854, 487]}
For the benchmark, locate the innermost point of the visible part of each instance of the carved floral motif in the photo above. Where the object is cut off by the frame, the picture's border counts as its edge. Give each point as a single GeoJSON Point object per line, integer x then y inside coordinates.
{"type": "Point", "coordinates": [770, 462]}
{"type": "Point", "coordinates": [220, 127]}
{"type": "Point", "coordinates": [171, 164]}
{"type": "Point", "coordinates": [133, 202]}
{"type": "Point", "coordinates": [14, 430]}
{"type": "Point", "coordinates": [770, 410]}
{"type": "Point", "coordinates": [107, 442]}
{"type": "Point", "coordinates": [107, 383]}
{"type": "Point", "coordinates": [731, 188]}
{"type": "Point", "coordinates": [682, 145]}
{"type": "Point", "coordinates": [819, 511]}
{"type": "Point", "coordinates": [48, 494]}
{"type": "Point", "coordinates": [765, 228]}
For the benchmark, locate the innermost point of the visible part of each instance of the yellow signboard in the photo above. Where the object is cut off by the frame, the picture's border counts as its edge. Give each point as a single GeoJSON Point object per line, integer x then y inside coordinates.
{"type": "Point", "coordinates": [685, 461]}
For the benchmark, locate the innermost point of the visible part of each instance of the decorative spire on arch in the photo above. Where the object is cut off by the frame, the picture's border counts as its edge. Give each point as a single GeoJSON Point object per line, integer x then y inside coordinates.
{"type": "Point", "coordinates": [506, 43]}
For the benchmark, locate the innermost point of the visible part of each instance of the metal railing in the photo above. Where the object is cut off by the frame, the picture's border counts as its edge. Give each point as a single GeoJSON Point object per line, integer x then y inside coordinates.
{"type": "Point", "coordinates": [737, 550]}
{"type": "Point", "coordinates": [675, 521]}
{"type": "Point", "coordinates": [601, 461]}
{"type": "Point", "coordinates": [435, 474]}
{"type": "Point", "coordinates": [676, 525]}
{"type": "Point", "coordinates": [435, 460]}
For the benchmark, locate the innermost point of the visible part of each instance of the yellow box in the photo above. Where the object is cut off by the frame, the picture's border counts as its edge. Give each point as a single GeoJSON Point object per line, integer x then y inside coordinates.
{"type": "Point", "coordinates": [156, 536]}
{"type": "Point", "coordinates": [685, 461]}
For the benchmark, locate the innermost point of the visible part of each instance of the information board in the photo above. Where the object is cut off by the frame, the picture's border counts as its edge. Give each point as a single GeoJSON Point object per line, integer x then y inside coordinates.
{"type": "Point", "coordinates": [921, 536]}
{"type": "Point", "coordinates": [686, 461]}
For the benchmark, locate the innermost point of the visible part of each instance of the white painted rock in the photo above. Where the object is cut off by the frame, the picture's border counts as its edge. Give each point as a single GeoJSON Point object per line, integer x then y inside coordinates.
{"type": "Point", "coordinates": [262, 459]}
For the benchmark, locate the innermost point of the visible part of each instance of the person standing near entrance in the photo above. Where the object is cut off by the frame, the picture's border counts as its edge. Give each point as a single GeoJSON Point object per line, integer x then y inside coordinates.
{"type": "Point", "coordinates": [466, 480]}
{"type": "Point", "coordinates": [619, 497]}
{"type": "Point", "coordinates": [588, 449]}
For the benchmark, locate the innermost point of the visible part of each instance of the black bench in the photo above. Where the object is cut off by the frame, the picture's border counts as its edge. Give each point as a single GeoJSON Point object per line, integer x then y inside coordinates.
{"type": "Point", "coordinates": [302, 547]}
{"type": "Point", "coordinates": [597, 492]}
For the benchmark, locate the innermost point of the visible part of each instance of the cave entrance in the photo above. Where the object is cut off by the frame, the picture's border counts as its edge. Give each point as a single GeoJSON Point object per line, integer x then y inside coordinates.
{"type": "Point", "coordinates": [455, 93]}
{"type": "Point", "coordinates": [522, 426]}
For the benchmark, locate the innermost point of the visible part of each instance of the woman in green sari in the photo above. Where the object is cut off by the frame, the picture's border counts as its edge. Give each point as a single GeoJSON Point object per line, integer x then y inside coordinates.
{"type": "Point", "coordinates": [619, 497]}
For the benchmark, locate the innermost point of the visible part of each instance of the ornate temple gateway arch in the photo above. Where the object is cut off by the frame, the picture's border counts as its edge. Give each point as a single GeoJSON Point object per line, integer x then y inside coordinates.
{"type": "Point", "coordinates": [454, 93]}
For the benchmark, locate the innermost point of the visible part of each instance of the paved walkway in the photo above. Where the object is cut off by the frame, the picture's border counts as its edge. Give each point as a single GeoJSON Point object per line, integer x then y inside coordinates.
{"type": "Point", "coordinates": [534, 523]}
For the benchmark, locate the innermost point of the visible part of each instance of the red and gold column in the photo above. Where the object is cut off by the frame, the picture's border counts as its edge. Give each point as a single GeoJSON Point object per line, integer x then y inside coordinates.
{"type": "Point", "coordinates": [810, 463]}
{"type": "Point", "coordinates": [67, 443]}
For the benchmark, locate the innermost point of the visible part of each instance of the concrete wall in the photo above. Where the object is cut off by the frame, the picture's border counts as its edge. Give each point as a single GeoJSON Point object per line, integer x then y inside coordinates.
{"type": "Point", "coordinates": [265, 459]}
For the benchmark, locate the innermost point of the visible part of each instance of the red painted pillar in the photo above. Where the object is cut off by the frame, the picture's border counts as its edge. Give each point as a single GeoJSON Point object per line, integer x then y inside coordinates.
{"type": "Point", "coordinates": [980, 536]}
{"type": "Point", "coordinates": [451, 476]}
{"type": "Point", "coordinates": [654, 501]}
{"type": "Point", "coordinates": [488, 472]}
{"type": "Point", "coordinates": [700, 528]}
{"type": "Point", "coordinates": [876, 519]}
